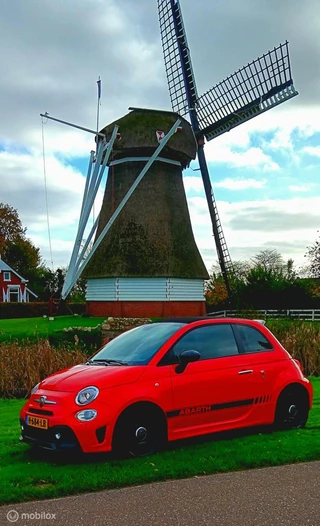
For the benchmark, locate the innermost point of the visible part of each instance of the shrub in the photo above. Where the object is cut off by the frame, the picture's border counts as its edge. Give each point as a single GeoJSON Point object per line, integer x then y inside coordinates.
{"type": "Point", "coordinates": [35, 309]}
{"type": "Point", "coordinates": [302, 340]}
{"type": "Point", "coordinates": [87, 337]}
{"type": "Point", "coordinates": [24, 365]}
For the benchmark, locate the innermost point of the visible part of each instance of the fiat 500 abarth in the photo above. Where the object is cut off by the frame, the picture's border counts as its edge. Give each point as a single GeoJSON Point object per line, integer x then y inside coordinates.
{"type": "Point", "coordinates": [167, 381]}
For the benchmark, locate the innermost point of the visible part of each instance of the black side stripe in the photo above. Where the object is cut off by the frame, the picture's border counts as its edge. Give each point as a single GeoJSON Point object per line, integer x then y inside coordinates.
{"type": "Point", "coordinates": [262, 399]}
{"type": "Point", "coordinates": [186, 411]}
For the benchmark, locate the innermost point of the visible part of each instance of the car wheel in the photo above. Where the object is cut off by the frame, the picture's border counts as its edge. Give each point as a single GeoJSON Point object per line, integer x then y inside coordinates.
{"type": "Point", "coordinates": [137, 434]}
{"type": "Point", "coordinates": [292, 409]}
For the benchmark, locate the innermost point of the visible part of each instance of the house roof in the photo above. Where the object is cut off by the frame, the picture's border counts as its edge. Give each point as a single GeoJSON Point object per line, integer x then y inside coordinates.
{"type": "Point", "coordinates": [4, 267]}
{"type": "Point", "coordinates": [30, 292]}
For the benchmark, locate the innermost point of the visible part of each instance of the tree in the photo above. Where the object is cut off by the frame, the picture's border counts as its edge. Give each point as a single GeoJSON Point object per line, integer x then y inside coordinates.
{"type": "Point", "coordinates": [10, 226]}
{"type": "Point", "coordinates": [264, 282]}
{"type": "Point", "coordinates": [268, 259]}
{"type": "Point", "coordinates": [55, 283]}
{"type": "Point", "coordinates": [15, 248]}
{"type": "Point", "coordinates": [19, 252]}
{"type": "Point", "coordinates": [22, 256]}
{"type": "Point", "coordinates": [313, 255]}
{"type": "Point", "coordinates": [216, 292]}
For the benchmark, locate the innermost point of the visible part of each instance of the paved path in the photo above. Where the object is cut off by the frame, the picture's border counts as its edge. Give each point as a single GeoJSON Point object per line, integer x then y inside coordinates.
{"type": "Point", "coordinates": [281, 496]}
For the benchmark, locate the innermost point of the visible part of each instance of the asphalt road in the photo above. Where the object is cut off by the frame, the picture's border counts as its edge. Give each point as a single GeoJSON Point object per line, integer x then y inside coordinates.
{"type": "Point", "coordinates": [282, 496]}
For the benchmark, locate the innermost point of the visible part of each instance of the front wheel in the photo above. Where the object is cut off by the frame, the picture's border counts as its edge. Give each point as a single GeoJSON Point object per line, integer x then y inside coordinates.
{"type": "Point", "coordinates": [137, 434]}
{"type": "Point", "coordinates": [292, 409]}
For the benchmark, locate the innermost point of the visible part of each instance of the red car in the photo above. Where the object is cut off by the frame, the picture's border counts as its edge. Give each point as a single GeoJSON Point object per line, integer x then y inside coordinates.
{"type": "Point", "coordinates": [167, 381]}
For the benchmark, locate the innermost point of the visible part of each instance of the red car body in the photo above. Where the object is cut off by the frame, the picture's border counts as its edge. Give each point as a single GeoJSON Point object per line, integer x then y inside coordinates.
{"type": "Point", "coordinates": [242, 377]}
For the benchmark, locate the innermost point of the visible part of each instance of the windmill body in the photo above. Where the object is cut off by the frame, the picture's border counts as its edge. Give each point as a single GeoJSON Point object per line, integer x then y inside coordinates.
{"type": "Point", "coordinates": [148, 264]}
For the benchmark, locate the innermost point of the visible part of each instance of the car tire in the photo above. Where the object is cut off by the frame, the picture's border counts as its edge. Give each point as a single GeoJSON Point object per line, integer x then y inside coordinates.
{"type": "Point", "coordinates": [137, 433]}
{"type": "Point", "coordinates": [292, 409]}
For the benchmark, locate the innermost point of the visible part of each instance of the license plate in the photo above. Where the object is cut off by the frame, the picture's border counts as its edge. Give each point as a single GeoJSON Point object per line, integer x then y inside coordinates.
{"type": "Point", "coordinates": [35, 421]}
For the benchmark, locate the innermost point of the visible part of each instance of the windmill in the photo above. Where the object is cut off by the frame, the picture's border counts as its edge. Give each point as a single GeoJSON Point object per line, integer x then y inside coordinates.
{"type": "Point", "coordinates": [263, 84]}
{"type": "Point", "coordinates": [144, 260]}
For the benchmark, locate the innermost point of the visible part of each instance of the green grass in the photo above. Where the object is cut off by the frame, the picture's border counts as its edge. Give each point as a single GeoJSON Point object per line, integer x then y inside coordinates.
{"type": "Point", "coordinates": [32, 328]}
{"type": "Point", "coordinates": [26, 475]}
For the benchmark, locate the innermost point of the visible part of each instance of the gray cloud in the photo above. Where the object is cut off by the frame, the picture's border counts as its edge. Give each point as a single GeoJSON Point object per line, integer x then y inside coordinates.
{"type": "Point", "coordinates": [248, 252]}
{"type": "Point", "coordinates": [269, 220]}
{"type": "Point", "coordinates": [53, 52]}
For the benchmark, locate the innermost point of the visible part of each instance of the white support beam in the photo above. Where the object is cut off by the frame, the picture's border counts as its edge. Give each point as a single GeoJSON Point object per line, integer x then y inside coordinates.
{"type": "Point", "coordinates": [92, 186]}
{"type": "Point", "coordinates": [67, 287]}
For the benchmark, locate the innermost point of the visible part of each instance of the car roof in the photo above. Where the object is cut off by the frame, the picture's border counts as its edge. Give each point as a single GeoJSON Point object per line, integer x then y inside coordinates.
{"type": "Point", "coordinates": [191, 319]}
{"type": "Point", "coordinates": [181, 320]}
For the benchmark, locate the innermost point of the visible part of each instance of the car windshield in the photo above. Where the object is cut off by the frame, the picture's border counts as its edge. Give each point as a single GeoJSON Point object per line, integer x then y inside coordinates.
{"type": "Point", "coordinates": [137, 346]}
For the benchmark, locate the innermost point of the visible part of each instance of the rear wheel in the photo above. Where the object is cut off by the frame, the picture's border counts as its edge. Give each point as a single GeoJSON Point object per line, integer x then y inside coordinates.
{"type": "Point", "coordinates": [138, 433]}
{"type": "Point", "coordinates": [292, 409]}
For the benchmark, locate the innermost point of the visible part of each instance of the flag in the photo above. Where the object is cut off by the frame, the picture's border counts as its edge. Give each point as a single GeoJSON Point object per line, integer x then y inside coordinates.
{"type": "Point", "coordinates": [160, 135]}
{"type": "Point", "coordinates": [99, 88]}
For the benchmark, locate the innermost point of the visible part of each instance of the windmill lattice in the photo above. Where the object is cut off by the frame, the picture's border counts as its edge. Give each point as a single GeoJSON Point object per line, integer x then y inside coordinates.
{"type": "Point", "coordinates": [261, 85]}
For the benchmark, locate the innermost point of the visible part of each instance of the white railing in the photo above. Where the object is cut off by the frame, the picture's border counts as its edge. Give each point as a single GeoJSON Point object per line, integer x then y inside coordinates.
{"type": "Point", "coordinates": [296, 314]}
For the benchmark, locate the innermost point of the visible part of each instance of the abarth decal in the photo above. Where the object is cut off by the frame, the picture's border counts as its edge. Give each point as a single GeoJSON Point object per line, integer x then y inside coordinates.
{"type": "Point", "coordinates": [186, 411]}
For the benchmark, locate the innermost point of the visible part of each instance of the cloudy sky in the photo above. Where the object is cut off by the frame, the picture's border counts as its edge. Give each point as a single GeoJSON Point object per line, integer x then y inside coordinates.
{"type": "Point", "coordinates": [265, 173]}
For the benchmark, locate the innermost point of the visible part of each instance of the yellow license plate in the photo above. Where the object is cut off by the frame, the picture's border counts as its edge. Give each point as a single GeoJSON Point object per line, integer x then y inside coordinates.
{"type": "Point", "coordinates": [35, 421]}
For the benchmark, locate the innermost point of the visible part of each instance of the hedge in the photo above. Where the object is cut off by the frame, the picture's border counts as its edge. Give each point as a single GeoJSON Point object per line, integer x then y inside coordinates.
{"type": "Point", "coordinates": [89, 338]}
{"type": "Point", "coordinates": [37, 309]}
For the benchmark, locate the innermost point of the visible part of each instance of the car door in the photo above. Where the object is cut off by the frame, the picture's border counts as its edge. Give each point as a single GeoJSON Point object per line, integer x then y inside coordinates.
{"type": "Point", "coordinates": [209, 394]}
{"type": "Point", "coordinates": [265, 364]}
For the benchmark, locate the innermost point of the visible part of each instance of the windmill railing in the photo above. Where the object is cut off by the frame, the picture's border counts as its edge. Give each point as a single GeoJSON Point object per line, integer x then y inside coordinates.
{"type": "Point", "coordinates": [294, 314]}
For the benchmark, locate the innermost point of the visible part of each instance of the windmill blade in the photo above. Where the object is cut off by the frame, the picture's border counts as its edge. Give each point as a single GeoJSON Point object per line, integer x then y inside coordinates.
{"type": "Point", "coordinates": [261, 85]}
{"type": "Point", "coordinates": [180, 77]}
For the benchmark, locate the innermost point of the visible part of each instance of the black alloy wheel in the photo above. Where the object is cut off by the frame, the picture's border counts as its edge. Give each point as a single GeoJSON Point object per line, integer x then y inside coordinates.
{"type": "Point", "coordinates": [292, 409]}
{"type": "Point", "coordinates": [137, 434]}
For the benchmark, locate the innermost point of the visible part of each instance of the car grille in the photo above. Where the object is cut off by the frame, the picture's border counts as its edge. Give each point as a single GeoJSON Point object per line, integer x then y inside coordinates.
{"type": "Point", "coordinates": [40, 412]}
{"type": "Point", "coordinates": [46, 438]}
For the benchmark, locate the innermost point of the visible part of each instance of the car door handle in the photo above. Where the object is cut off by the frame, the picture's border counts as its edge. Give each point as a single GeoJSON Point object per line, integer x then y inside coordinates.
{"type": "Point", "coordinates": [246, 371]}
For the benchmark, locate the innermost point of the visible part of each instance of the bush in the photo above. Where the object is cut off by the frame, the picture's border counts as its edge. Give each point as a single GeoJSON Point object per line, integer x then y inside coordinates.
{"type": "Point", "coordinates": [23, 366]}
{"type": "Point", "coordinates": [87, 337]}
{"type": "Point", "coordinates": [36, 308]}
{"type": "Point", "coordinates": [302, 340]}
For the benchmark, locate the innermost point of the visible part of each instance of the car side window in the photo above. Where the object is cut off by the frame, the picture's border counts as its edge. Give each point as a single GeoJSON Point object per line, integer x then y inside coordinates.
{"type": "Point", "coordinates": [211, 341]}
{"type": "Point", "coordinates": [253, 340]}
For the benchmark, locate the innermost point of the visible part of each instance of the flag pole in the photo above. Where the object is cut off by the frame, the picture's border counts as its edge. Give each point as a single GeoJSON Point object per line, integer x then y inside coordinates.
{"type": "Point", "coordinates": [99, 102]}
{"type": "Point", "coordinates": [97, 137]}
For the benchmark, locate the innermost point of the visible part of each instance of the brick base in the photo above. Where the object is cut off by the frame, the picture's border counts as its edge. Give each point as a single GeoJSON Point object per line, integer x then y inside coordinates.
{"type": "Point", "coordinates": [151, 309]}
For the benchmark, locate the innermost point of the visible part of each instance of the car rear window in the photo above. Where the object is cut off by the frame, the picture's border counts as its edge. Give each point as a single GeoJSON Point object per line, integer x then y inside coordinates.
{"type": "Point", "coordinates": [253, 340]}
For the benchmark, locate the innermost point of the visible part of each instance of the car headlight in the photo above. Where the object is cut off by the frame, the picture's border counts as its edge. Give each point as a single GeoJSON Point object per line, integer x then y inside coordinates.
{"type": "Point", "coordinates": [86, 415]}
{"type": "Point", "coordinates": [87, 395]}
{"type": "Point", "coordinates": [35, 388]}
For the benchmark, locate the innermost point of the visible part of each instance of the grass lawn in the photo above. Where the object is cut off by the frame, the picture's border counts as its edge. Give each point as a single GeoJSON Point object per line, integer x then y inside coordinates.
{"type": "Point", "coordinates": [23, 328]}
{"type": "Point", "coordinates": [28, 475]}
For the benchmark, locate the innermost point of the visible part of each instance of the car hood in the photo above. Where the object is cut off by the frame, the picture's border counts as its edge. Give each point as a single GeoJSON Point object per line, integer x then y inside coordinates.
{"type": "Point", "coordinates": [80, 376]}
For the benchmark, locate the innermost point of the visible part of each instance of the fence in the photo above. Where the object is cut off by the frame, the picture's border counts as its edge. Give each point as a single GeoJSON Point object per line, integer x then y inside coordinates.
{"type": "Point", "coordinates": [295, 314]}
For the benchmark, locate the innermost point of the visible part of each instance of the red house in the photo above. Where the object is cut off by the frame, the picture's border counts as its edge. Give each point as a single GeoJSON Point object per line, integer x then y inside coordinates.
{"type": "Point", "coordinates": [13, 287]}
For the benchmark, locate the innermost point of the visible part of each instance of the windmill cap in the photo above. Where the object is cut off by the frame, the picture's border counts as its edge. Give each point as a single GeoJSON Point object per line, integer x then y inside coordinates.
{"type": "Point", "coordinates": [140, 132]}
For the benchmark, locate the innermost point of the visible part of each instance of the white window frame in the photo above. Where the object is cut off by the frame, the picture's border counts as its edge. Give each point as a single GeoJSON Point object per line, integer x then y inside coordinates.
{"type": "Point", "coordinates": [6, 275]}
{"type": "Point", "coordinates": [16, 289]}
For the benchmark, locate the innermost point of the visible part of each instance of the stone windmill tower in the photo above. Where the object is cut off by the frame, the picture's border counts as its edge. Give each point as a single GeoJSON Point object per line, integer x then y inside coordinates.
{"type": "Point", "coordinates": [148, 263]}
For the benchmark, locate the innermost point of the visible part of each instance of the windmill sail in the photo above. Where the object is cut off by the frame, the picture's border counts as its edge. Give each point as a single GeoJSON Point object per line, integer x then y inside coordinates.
{"type": "Point", "coordinates": [261, 85]}
{"type": "Point", "coordinates": [183, 95]}
{"type": "Point", "coordinates": [181, 81]}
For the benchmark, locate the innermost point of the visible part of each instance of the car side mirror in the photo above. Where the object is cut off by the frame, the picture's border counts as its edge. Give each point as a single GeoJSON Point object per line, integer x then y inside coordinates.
{"type": "Point", "coordinates": [187, 357]}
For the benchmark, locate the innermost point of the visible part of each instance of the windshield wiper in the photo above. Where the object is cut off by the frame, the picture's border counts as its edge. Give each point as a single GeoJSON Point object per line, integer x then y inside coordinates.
{"type": "Point", "coordinates": [108, 361]}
